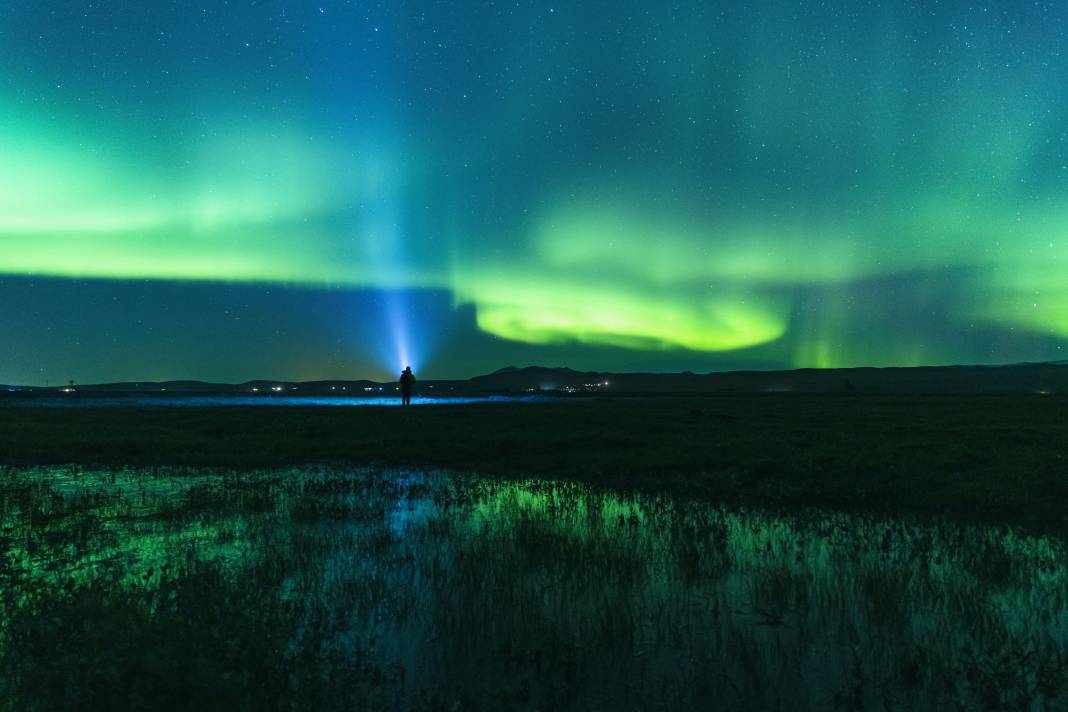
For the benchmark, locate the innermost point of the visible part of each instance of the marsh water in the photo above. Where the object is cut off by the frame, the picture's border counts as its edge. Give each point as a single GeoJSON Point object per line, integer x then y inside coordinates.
{"type": "Point", "coordinates": [330, 588]}
{"type": "Point", "coordinates": [160, 400]}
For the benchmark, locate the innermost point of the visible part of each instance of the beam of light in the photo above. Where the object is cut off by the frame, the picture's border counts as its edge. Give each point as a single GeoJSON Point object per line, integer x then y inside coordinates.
{"type": "Point", "coordinates": [385, 250]}
{"type": "Point", "coordinates": [398, 321]}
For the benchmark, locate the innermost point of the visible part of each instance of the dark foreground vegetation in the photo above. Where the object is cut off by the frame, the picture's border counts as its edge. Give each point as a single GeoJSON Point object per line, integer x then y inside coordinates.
{"type": "Point", "coordinates": [1002, 459]}
{"type": "Point", "coordinates": [571, 555]}
{"type": "Point", "coordinates": [319, 588]}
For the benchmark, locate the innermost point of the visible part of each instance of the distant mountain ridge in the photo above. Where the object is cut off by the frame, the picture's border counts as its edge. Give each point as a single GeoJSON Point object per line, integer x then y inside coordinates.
{"type": "Point", "coordinates": [1044, 378]}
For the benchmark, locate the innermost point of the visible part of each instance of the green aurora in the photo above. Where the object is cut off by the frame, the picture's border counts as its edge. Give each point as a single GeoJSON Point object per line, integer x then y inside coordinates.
{"type": "Point", "coordinates": [691, 177]}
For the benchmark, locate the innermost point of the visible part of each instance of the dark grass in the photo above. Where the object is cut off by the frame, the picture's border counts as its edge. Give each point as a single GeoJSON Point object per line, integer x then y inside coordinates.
{"type": "Point", "coordinates": [990, 458]}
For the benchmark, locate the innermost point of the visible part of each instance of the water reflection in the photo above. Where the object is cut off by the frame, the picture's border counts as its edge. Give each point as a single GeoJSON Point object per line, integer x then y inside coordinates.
{"type": "Point", "coordinates": [398, 588]}
{"type": "Point", "coordinates": [178, 401]}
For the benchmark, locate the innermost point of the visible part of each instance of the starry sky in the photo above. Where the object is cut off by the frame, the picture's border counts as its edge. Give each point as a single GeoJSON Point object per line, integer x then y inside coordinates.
{"type": "Point", "coordinates": [246, 189]}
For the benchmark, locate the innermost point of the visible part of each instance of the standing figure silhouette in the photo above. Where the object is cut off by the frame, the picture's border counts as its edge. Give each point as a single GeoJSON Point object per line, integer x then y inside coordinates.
{"type": "Point", "coordinates": [407, 380]}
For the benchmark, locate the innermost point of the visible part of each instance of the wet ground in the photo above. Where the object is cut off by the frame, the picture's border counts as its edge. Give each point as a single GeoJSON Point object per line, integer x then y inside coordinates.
{"type": "Point", "coordinates": [326, 588]}
{"type": "Point", "coordinates": [189, 401]}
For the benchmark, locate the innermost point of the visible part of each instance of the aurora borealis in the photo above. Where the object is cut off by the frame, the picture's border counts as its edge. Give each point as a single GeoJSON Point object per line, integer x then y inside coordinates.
{"type": "Point", "coordinates": [251, 189]}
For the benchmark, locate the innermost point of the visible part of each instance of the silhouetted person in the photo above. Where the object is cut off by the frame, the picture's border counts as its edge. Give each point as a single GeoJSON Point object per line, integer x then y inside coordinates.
{"type": "Point", "coordinates": [407, 380]}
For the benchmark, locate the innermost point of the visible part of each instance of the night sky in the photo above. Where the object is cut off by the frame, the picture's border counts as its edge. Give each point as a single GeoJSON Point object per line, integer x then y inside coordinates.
{"type": "Point", "coordinates": [234, 190]}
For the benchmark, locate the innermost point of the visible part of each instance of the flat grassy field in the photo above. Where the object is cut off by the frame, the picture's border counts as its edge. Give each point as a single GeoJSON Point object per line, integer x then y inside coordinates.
{"type": "Point", "coordinates": [273, 558]}
{"type": "Point", "coordinates": [1002, 459]}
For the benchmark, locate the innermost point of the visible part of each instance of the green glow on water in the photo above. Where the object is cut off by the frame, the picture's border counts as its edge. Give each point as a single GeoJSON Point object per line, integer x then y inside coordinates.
{"type": "Point", "coordinates": [374, 564]}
